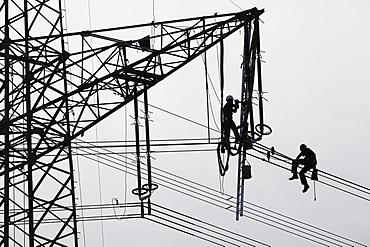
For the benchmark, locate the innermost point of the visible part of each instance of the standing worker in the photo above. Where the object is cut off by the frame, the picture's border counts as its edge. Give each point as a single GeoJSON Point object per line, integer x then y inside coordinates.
{"type": "Point", "coordinates": [229, 109]}
{"type": "Point", "coordinates": [308, 161]}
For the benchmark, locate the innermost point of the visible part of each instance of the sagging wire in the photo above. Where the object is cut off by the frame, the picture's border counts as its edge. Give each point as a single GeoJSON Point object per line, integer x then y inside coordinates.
{"type": "Point", "coordinates": [74, 141]}
{"type": "Point", "coordinates": [176, 115]}
{"type": "Point", "coordinates": [126, 148]}
{"type": "Point", "coordinates": [208, 74]}
{"type": "Point", "coordinates": [80, 190]}
{"type": "Point", "coordinates": [99, 184]}
{"type": "Point", "coordinates": [204, 57]}
{"type": "Point", "coordinates": [115, 200]}
{"type": "Point", "coordinates": [153, 27]}
{"type": "Point", "coordinates": [153, 10]}
{"type": "Point", "coordinates": [96, 127]}
{"type": "Point", "coordinates": [221, 180]}
{"type": "Point", "coordinates": [208, 77]}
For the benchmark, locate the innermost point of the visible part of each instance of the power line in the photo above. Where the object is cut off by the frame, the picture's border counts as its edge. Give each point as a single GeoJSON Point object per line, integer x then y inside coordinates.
{"type": "Point", "coordinates": [183, 118]}
{"type": "Point", "coordinates": [205, 228]}
{"type": "Point", "coordinates": [278, 154]}
{"type": "Point", "coordinates": [333, 178]}
{"type": "Point", "coordinates": [85, 208]}
{"type": "Point", "coordinates": [251, 204]}
{"type": "Point", "coordinates": [181, 230]}
{"type": "Point", "coordinates": [194, 192]}
{"type": "Point", "coordinates": [275, 224]}
{"type": "Point", "coordinates": [187, 193]}
{"type": "Point", "coordinates": [153, 10]}
{"type": "Point", "coordinates": [228, 206]}
{"type": "Point", "coordinates": [259, 148]}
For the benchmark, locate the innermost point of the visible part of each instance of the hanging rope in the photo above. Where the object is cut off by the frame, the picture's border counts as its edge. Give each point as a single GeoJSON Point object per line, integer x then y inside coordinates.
{"type": "Point", "coordinates": [208, 94]}
{"type": "Point", "coordinates": [206, 78]}
{"type": "Point", "coordinates": [222, 166]}
{"type": "Point", "coordinates": [222, 82]}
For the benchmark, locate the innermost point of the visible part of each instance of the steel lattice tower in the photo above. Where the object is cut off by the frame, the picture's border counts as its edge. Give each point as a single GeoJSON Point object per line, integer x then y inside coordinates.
{"type": "Point", "coordinates": [48, 97]}
{"type": "Point", "coordinates": [35, 127]}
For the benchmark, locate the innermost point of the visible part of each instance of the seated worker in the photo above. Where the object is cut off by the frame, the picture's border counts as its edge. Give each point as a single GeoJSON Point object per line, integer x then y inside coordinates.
{"type": "Point", "coordinates": [308, 161]}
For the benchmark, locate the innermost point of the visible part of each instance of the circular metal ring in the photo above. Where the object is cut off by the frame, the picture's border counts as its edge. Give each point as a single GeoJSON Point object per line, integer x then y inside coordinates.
{"type": "Point", "coordinates": [263, 129]}
{"type": "Point", "coordinates": [150, 187]}
{"type": "Point", "coordinates": [139, 191]}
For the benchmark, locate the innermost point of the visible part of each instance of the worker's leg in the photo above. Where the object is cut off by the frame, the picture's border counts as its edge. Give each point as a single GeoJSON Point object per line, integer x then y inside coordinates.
{"type": "Point", "coordinates": [302, 177]}
{"type": "Point", "coordinates": [227, 130]}
{"type": "Point", "coordinates": [235, 130]}
{"type": "Point", "coordinates": [227, 135]}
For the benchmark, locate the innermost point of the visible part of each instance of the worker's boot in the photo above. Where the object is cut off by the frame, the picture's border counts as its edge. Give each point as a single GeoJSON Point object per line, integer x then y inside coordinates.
{"type": "Point", "coordinates": [306, 187]}
{"type": "Point", "coordinates": [295, 176]}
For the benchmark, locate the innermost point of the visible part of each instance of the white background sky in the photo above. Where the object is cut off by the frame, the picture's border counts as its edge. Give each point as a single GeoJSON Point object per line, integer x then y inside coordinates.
{"type": "Point", "coordinates": [317, 77]}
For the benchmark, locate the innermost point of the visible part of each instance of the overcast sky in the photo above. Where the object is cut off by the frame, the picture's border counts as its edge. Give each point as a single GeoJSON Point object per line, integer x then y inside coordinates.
{"type": "Point", "coordinates": [316, 73]}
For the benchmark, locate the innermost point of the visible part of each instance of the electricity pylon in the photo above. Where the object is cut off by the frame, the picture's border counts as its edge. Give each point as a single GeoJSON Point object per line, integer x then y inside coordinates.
{"type": "Point", "coordinates": [51, 93]}
{"type": "Point", "coordinates": [250, 132]}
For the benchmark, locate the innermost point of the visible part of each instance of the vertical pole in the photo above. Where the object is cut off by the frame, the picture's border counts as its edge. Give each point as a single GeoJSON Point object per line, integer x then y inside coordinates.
{"type": "Point", "coordinates": [147, 138]}
{"type": "Point", "coordinates": [259, 73]}
{"type": "Point", "coordinates": [137, 136]}
{"type": "Point", "coordinates": [68, 134]}
{"type": "Point", "coordinates": [70, 160]}
{"type": "Point", "coordinates": [253, 57]}
{"type": "Point", "coordinates": [6, 120]}
{"type": "Point", "coordinates": [31, 158]}
{"type": "Point", "coordinates": [161, 36]}
{"type": "Point", "coordinates": [243, 120]}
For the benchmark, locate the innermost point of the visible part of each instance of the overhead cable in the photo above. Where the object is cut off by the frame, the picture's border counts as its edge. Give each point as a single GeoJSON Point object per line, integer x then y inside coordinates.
{"type": "Point", "coordinates": [205, 228]}
{"type": "Point", "coordinates": [173, 185]}
{"type": "Point", "coordinates": [198, 192]}
{"type": "Point", "coordinates": [287, 159]}
{"type": "Point", "coordinates": [260, 149]}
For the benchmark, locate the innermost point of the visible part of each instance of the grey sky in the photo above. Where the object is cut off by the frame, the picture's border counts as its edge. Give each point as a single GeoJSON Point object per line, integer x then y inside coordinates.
{"type": "Point", "coordinates": [316, 73]}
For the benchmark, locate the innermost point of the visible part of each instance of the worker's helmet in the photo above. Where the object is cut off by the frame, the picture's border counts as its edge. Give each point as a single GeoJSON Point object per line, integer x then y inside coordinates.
{"type": "Point", "coordinates": [229, 97]}
{"type": "Point", "coordinates": [302, 147]}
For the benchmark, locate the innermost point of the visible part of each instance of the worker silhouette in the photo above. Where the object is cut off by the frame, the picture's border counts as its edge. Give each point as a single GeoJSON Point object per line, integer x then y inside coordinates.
{"type": "Point", "coordinates": [308, 161]}
{"type": "Point", "coordinates": [229, 124]}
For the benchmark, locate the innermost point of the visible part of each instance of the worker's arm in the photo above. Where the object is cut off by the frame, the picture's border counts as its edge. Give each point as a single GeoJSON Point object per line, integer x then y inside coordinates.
{"type": "Point", "coordinates": [299, 155]}
{"type": "Point", "coordinates": [236, 105]}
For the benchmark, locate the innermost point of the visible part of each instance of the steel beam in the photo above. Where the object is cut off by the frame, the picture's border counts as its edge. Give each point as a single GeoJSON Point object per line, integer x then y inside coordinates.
{"type": "Point", "coordinates": [48, 99]}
